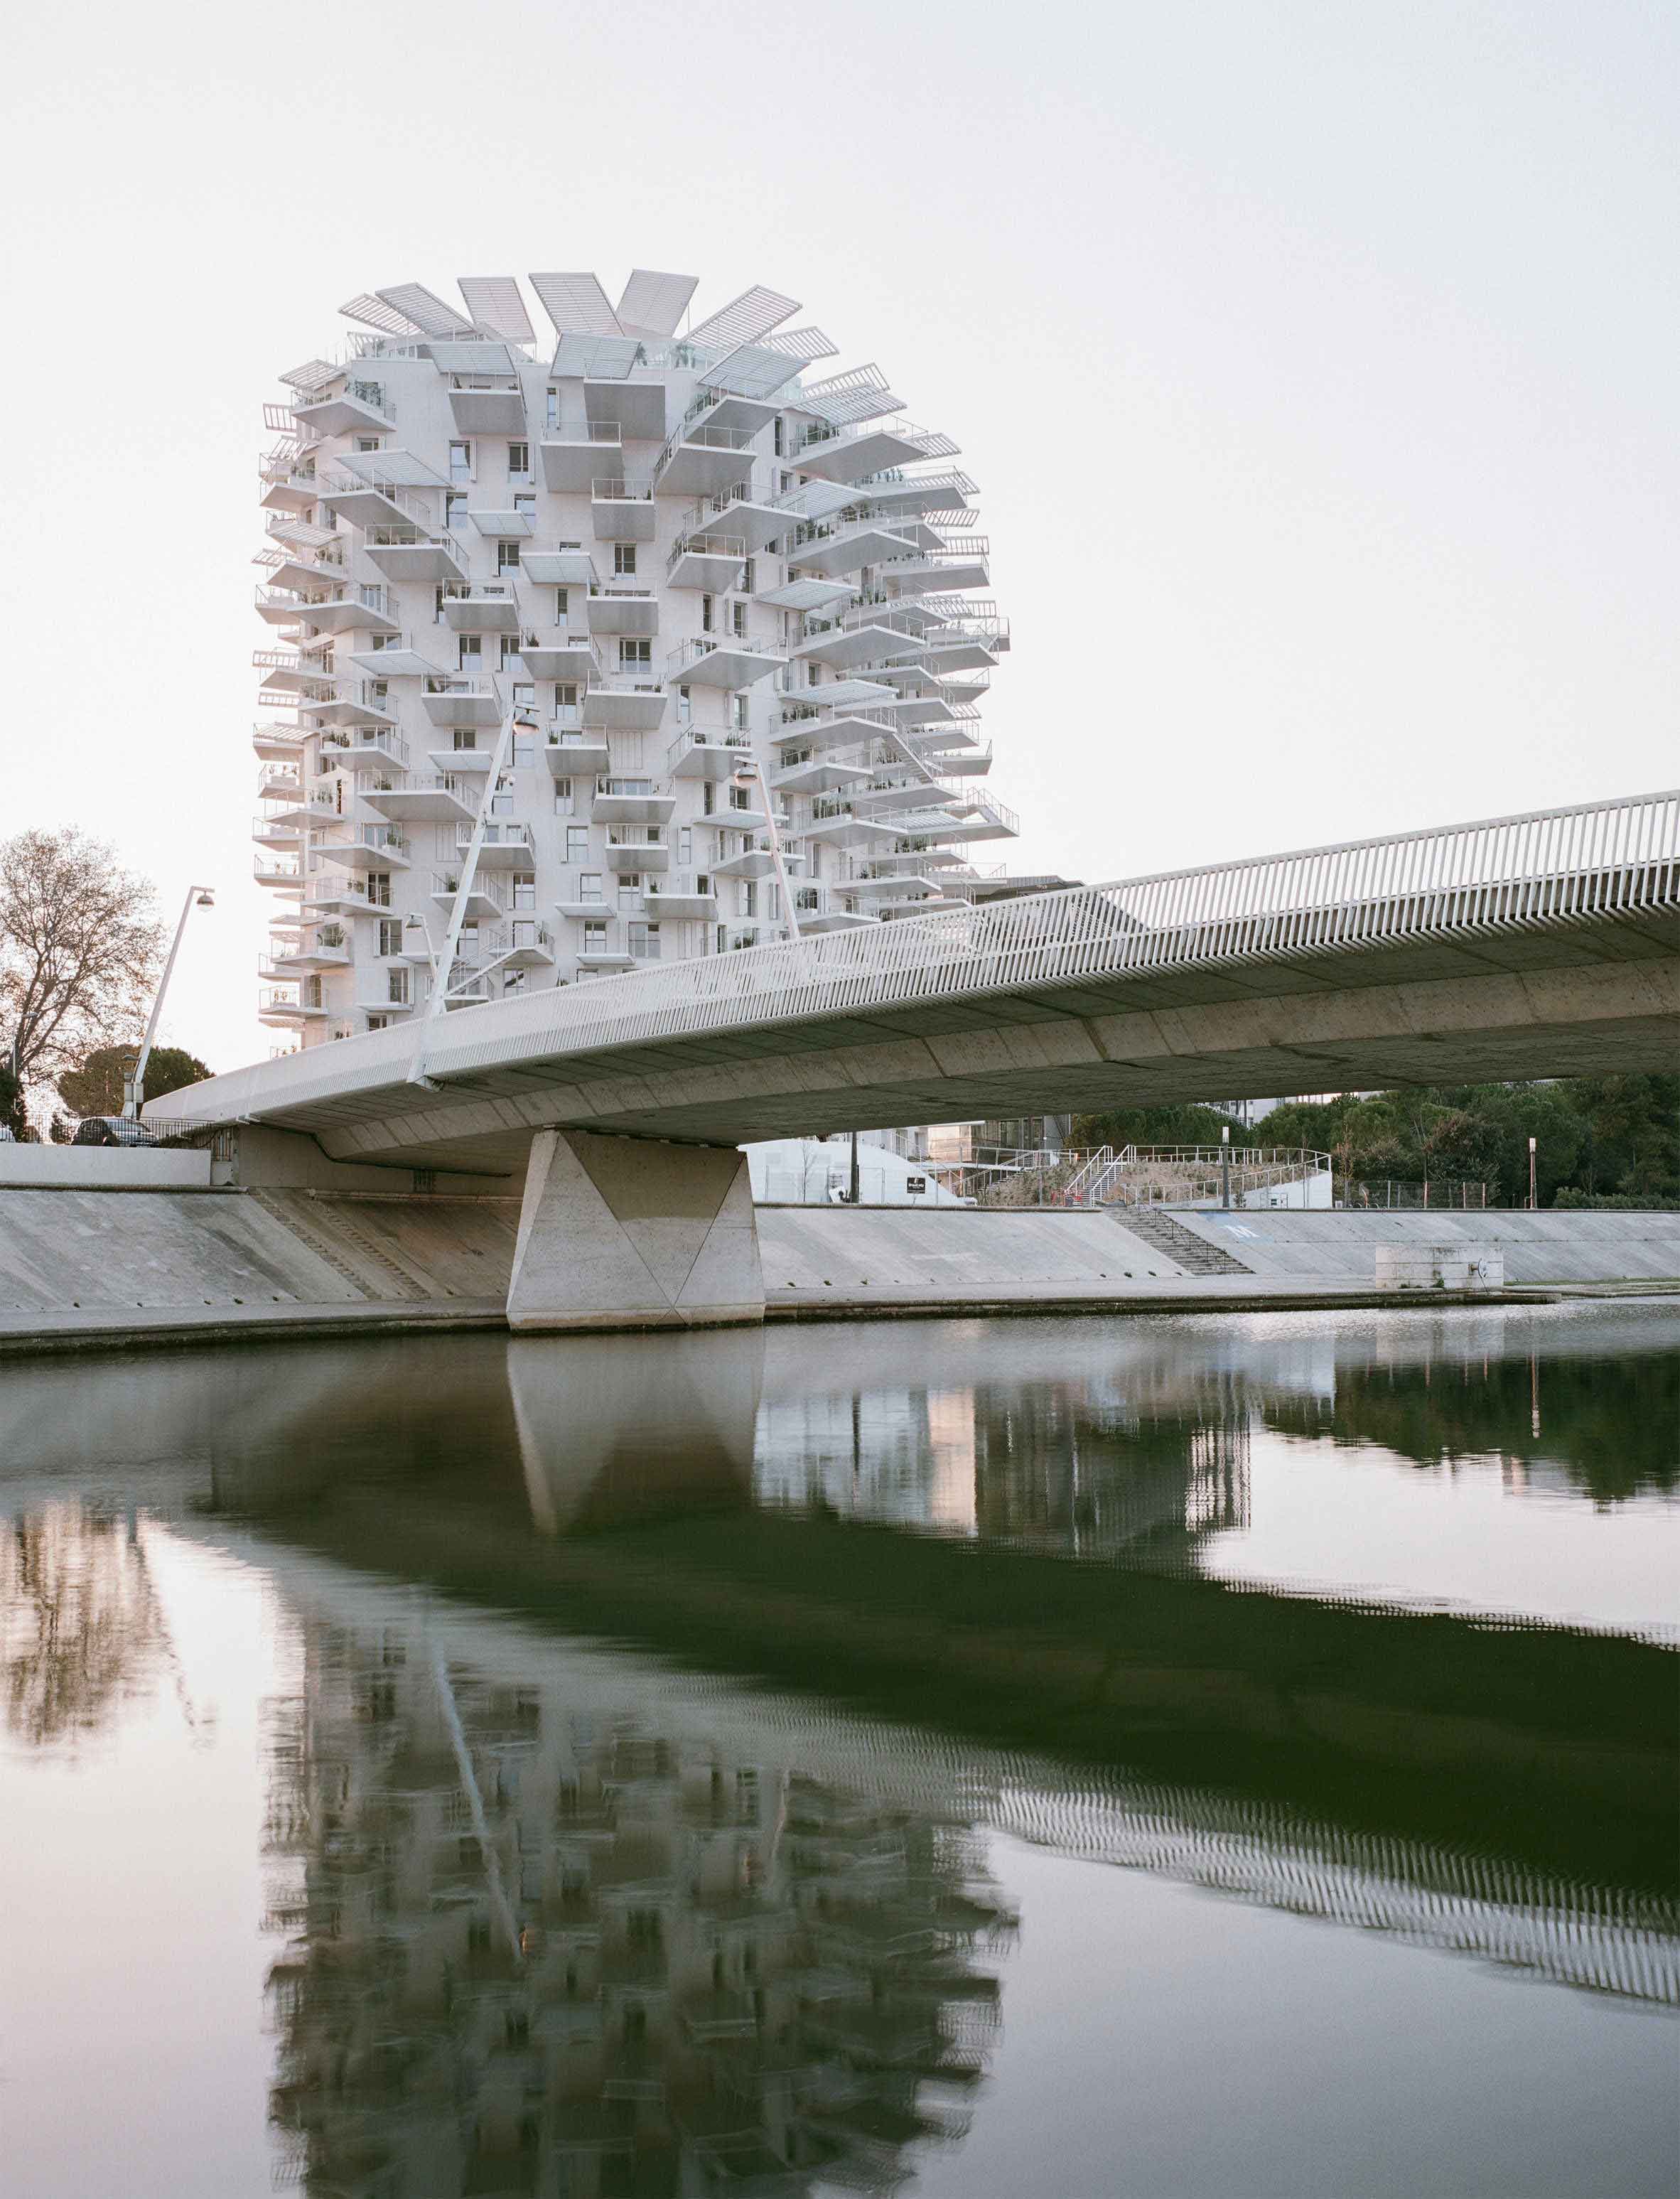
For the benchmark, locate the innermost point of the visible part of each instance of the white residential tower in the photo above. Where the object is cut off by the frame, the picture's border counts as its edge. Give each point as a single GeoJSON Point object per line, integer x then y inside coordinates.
{"type": "Point", "coordinates": [735, 600]}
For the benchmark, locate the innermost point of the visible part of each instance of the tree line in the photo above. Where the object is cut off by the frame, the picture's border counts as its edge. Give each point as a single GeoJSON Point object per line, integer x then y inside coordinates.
{"type": "Point", "coordinates": [1599, 1140]}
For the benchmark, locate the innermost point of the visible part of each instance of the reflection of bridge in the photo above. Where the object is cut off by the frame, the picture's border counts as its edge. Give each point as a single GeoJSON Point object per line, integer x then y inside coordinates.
{"type": "Point", "coordinates": [1541, 945]}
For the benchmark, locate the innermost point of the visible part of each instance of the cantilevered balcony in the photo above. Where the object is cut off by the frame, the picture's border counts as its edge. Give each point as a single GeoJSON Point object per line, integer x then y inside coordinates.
{"type": "Point", "coordinates": [821, 730]}
{"type": "Point", "coordinates": [701, 460]}
{"type": "Point", "coordinates": [580, 897]}
{"type": "Point", "coordinates": [844, 547]}
{"type": "Point", "coordinates": [805, 595]}
{"type": "Point", "coordinates": [630, 847]}
{"type": "Point", "coordinates": [602, 955]}
{"type": "Point", "coordinates": [962, 646]}
{"type": "Point", "coordinates": [275, 831]}
{"type": "Point", "coordinates": [754, 860]}
{"type": "Point", "coordinates": [450, 702]}
{"type": "Point", "coordinates": [486, 901]}
{"type": "Point", "coordinates": [683, 896]}
{"type": "Point", "coordinates": [283, 1009]}
{"type": "Point", "coordinates": [485, 607]}
{"type": "Point", "coordinates": [405, 553]}
{"type": "Point", "coordinates": [817, 774]}
{"type": "Point", "coordinates": [737, 510]}
{"type": "Point", "coordinates": [367, 847]}
{"type": "Point", "coordinates": [373, 503]}
{"type": "Point", "coordinates": [877, 640]}
{"type": "Point", "coordinates": [712, 562]}
{"type": "Point", "coordinates": [558, 569]}
{"type": "Point", "coordinates": [919, 494]}
{"type": "Point", "coordinates": [819, 909]}
{"type": "Point", "coordinates": [708, 752]}
{"type": "Point", "coordinates": [525, 944]}
{"type": "Point", "coordinates": [576, 755]}
{"type": "Point", "coordinates": [281, 873]}
{"type": "Point", "coordinates": [401, 656]}
{"type": "Point", "coordinates": [488, 404]}
{"type": "Point", "coordinates": [621, 705]}
{"type": "Point", "coordinates": [466, 764]}
{"type": "Point", "coordinates": [423, 798]}
{"type": "Point", "coordinates": [358, 408]}
{"type": "Point", "coordinates": [630, 802]}
{"type": "Point", "coordinates": [954, 569]}
{"type": "Point", "coordinates": [711, 661]}
{"type": "Point", "coordinates": [280, 781]}
{"type": "Point", "coordinates": [355, 747]}
{"type": "Point", "coordinates": [622, 610]}
{"type": "Point", "coordinates": [279, 743]}
{"type": "Point", "coordinates": [505, 522]}
{"type": "Point", "coordinates": [285, 673]}
{"type": "Point", "coordinates": [573, 461]}
{"type": "Point", "coordinates": [622, 511]}
{"type": "Point", "coordinates": [288, 487]}
{"type": "Point", "coordinates": [505, 846]}
{"type": "Point", "coordinates": [852, 454]}
{"type": "Point", "coordinates": [561, 656]}
{"type": "Point", "coordinates": [636, 409]}
{"type": "Point", "coordinates": [359, 611]}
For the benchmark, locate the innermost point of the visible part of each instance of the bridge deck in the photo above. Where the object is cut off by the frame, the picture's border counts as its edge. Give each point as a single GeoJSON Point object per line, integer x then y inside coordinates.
{"type": "Point", "coordinates": [813, 1034]}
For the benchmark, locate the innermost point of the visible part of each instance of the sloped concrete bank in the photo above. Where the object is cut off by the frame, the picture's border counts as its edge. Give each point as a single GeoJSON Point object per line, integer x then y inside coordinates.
{"type": "Point", "coordinates": [81, 1266]}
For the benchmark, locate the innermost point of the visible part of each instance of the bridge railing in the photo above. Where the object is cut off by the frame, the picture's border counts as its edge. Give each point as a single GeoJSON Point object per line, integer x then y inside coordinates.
{"type": "Point", "coordinates": [1503, 873]}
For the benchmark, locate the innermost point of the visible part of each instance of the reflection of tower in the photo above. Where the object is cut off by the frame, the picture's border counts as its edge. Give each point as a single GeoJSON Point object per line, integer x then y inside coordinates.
{"type": "Point", "coordinates": [537, 1948]}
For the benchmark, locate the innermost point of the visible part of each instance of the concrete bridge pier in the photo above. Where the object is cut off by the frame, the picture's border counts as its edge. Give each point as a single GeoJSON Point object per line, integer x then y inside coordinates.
{"type": "Point", "coordinates": [635, 1233]}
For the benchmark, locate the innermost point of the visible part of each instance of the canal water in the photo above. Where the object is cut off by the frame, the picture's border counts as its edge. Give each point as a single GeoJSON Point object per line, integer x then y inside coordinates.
{"type": "Point", "coordinates": [1192, 1757]}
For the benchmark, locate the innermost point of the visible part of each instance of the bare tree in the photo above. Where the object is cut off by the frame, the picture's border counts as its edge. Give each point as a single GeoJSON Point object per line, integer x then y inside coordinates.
{"type": "Point", "coordinates": [79, 947]}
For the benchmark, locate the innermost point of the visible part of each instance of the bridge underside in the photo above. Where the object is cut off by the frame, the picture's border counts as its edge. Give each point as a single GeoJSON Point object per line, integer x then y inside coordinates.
{"type": "Point", "coordinates": [1592, 997]}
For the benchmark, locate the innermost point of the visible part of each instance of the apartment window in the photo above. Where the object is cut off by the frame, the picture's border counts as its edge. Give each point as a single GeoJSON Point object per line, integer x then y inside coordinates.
{"type": "Point", "coordinates": [525, 695]}
{"type": "Point", "coordinates": [501, 802]}
{"type": "Point", "coordinates": [460, 462]}
{"type": "Point", "coordinates": [396, 982]}
{"type": "Point", "coordinates": [740, 797]}
{"type": "Point", "coordinates": [748, 581]}
{"type": "Point", "coordinates": [465, 741]}
{"type": "Point", "coordinates": [738, 620]}
{"type": "Point", "coordinates": [376, 1023]}
{"type": "Point", "coordinates": [577, 844]}
{"type": "Point", "coordinates": [379, 888]}
{"type": "Point", "coordinates": [684, 707]}
{"type": "Point", "coordinates": [685, 845]}
{"type": "Point", "coordinates": [513, 981]}
{"type": "Point", "coordinates": [624, 557]}
{"type": "Point", "coordinates": [705, 614]}
{"type": "Point", "coordinates": [552, 409]}
{"type": "Point", "coordinates": [468, 652]}
{"type": "Point", "coordinates": [525, 890]}
{"type": "Point", "coordinates": [635, 653]}
{"type": "Point", "coordinates": [454, 513]}
{"type": "Point", "coordinates": [707, 797]}
{"type": "Point", "coordinates": [565, 695]}
{"type": "Point", "coordinates": [525, 935]}
{"type": "Point", "coordinates": [594, 936]}
{"type": "Point", "coordinates": [389, 935]}
{"type": "Point", "coordinates": [527, 505]}
{"type": "Point", "coordinates": [524, 751]}
{"type": "Point", "coordinates": [740, 706]}
{"type": "Point", "coordinates": [519, 461]}
{"type": "Point", "coordinates": [564, 806]}
{"type": "Point", "coordinates": [629, 890]}
{"type": "Point", "coordinates": [645, 942]}
{"type": "Point", "coordinates": [778, 437]}
{"type": "Point", "coordinates": [561, 599]}
{"type": "Point", "coordinates": [589, 886]}
{"type": "Point", "coordinates": [510, 649]}
{"type": "Point", "coordinates": [787, 481]}
{"type": "Point", "coordinates": [367, 442]}
{"type": "Point", "coordinates": [750, 898]}
{"type": "Point", "coordinates": [507, 556]}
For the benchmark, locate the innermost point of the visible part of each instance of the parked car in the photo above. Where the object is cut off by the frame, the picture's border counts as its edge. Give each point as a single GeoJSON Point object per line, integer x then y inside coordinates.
{"type": "Point", "coordinates": [110, 1130]}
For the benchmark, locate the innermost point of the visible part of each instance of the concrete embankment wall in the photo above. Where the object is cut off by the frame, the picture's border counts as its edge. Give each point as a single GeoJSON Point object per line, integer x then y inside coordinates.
{"type": "Point", "coordinates": [76, 1263]}
{"type": "Point", "coordinates": [1285, 1246]}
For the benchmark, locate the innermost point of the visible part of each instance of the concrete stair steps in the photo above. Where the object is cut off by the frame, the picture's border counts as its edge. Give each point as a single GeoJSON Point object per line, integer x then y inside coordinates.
{"type": "Point", "coordinates": [1193, 1253]}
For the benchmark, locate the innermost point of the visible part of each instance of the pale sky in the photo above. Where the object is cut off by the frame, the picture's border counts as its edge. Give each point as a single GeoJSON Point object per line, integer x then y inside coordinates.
{"type": "Point", "coordinates": [1317, 364]}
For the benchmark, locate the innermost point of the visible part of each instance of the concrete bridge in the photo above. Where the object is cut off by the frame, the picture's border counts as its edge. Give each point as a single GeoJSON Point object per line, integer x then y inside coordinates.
{"type": "Point", "coordinates": [1542, 945]}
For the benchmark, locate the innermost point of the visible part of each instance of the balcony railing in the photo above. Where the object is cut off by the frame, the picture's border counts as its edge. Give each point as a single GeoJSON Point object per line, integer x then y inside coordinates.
{"type": "Point", "coordinates": [502, 833]}
{"type": "Point", "coordinates": [621, 492]}
{"type": "Point", "coordinates": [702, 544]}
{"type": "Point", "coordinates": [706, 737]}
{"type": "Point", "coordinates": [704, 438]}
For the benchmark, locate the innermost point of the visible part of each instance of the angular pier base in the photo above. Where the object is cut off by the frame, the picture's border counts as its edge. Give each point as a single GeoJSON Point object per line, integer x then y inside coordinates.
{"type": "Point", "coordinates": [633, 1233]}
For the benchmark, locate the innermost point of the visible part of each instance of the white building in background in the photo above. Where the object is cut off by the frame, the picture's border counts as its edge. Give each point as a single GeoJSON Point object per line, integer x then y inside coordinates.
{"type": "Point", "coordinates": [737, 596]}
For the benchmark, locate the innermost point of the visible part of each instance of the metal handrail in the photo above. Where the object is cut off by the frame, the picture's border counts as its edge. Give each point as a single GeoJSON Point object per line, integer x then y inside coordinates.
{"type": "Point", "coordinates": [1540, 869]}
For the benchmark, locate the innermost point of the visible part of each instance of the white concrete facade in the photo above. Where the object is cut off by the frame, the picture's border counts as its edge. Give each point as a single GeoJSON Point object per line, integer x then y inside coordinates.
{"type": "Point", "coordinates": [739, 598]}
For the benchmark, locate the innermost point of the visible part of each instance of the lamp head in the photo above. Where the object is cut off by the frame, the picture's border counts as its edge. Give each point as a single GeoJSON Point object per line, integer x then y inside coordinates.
{"type": "Point", "coordinates": [745, 776]}
{"type": "Point", "coordinates": [207, 898]}
{"type": "Point", "coordinates": [414, 923]}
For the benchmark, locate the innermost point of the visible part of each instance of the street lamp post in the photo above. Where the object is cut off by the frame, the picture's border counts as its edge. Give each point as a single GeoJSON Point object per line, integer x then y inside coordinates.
{"type": "Point", "coordinates": [134, 1084]}
{"type": "Point", "coordinates": [1225, 1166]}
{"type": "Point", "coordinates": [1530, 1177]}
